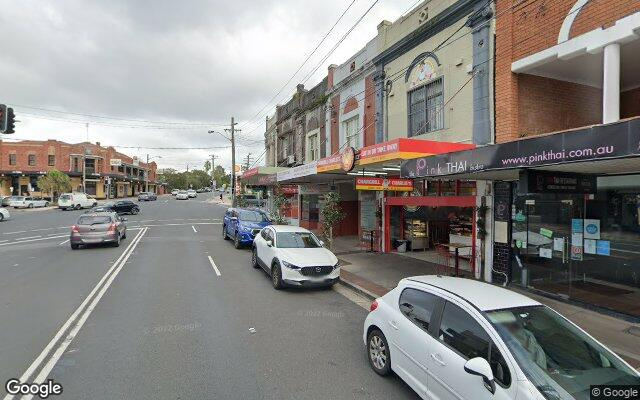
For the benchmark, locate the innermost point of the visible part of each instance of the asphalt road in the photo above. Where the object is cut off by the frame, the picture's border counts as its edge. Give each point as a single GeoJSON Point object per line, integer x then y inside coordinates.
{"type": "Point", "coordinates": [153, 320]}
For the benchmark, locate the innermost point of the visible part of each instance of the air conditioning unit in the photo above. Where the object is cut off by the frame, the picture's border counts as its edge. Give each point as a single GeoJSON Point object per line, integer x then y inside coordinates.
{"type": "Point", "coordinates": [291, 159]}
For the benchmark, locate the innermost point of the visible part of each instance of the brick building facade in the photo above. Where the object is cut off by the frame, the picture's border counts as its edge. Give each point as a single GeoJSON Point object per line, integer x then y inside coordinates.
{"type": "Point", "coordinates": [546, 83]}
{"type": "Point", "coordinates": [21, 163]}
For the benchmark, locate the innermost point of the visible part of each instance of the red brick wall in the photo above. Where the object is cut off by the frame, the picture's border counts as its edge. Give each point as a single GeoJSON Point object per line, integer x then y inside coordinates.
{"type": "Point", "coordinates": [529, 105]}
{"type": "Point", "coordinates": [369, 112]}
{"type": "Point", "coordinates": [548, 105]}
{"type": "Point", "coordinates": [352, 104]}
{"type": "Point", "coordinates": [630, 103]}
{"type": "Point", "coordinates": [335, 130]}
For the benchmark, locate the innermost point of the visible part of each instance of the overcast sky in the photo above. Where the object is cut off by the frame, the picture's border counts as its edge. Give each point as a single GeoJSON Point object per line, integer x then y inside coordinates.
{"type": "Point", "coordinates": [192, 61]}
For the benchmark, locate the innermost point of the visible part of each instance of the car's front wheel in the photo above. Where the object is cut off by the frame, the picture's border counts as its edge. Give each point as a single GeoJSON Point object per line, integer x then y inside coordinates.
{"type": "Point", "coordinates": [236, 241]}
{"type": "Point", "coordinates": [135, 210]}
{"type": "Point", "coordinates": [224, 232]}
{"type": "Point", "coordinates": [276, 277]}
{"type": "Point", "coordinates": [30, 205]}
{"type": "Point", "coordinates": [46, 204]}
{"type": "Point", "coordinates": [74, 246]}
{"type": "Point", "coordinates": [254, 258]}
{"type": "Point", "coordinates": [78, 206]}
{"type": "Point", "coordinates": [117, 242]}
{"type": "Point", "coordinates": [378, 352]}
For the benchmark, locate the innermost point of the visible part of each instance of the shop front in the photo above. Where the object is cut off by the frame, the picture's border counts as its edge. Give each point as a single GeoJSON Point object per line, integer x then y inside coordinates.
{"type": "Point", "coordinates": [565, 210]}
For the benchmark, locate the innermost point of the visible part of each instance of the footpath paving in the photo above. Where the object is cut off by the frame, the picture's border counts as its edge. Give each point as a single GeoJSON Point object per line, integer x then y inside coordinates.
{"type": "Point", "coordinates": [374, 274]}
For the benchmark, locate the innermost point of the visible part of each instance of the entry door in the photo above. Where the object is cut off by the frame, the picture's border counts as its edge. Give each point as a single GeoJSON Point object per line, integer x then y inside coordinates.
{"type": "Point", "coordinates": [545, 244]}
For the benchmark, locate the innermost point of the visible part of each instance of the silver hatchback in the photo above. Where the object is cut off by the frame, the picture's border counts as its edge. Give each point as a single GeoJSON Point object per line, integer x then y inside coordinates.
{"type": "Point", "coordinates": [98, 228]}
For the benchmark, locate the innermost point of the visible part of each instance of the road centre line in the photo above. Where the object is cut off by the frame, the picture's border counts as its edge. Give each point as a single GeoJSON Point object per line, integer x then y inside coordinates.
{"type": "Point", "coordinates": [194, 229]}
{"type": "Point", "coordinates": [108, 277]}
{"type": "Point", "coordinates": [215, 268]}
{"type": "Point", "coordinates": [28, 237]}
{"type": "Point", "coordinates": [34, 240]}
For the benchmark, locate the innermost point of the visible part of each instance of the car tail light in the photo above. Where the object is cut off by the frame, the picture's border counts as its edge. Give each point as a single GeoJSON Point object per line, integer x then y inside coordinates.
{"type": "Point", "coordinates": [74, 229]}
{"type": "Point", "coordinates": [112, 228]}
{"type": "Point", "coordinates": [374, 305]}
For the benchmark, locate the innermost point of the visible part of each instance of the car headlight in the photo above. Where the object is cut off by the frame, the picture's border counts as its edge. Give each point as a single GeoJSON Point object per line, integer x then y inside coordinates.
{"type": "Point", "coordinates": [337, 265]}
{"type": "Point", "coordinates": [289, 265]}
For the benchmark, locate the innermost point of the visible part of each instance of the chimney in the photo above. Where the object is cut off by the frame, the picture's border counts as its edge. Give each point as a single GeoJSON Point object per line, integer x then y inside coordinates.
{"type": "Point", "coordinates": [98, 144]}
{"type": "Point", "coordinates": [382, 34]}
{"type": "Point", "coordinates": [332, 70]}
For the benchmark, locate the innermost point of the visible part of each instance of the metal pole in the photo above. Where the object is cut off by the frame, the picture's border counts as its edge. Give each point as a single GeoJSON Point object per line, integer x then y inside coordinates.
{"type": "Point", "coordinates": [84, 169]}
{"type": "Point", "coordinates": [233, 163]}
{"type": "Point", "coordinates": [146, 176]}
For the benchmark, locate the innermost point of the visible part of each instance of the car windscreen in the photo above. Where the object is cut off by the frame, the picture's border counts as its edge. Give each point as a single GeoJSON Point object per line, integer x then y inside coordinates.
{"type": "Point", "coordinates": [94, 220]}
{"type": "Point", "coordinates": [296, 240]}
{"type": "Point", "coordinates": [17, 198]}
{"type": "Point", "coordinates": [252, 216]}
{"type": "Point", "coordinates": [557, 357]}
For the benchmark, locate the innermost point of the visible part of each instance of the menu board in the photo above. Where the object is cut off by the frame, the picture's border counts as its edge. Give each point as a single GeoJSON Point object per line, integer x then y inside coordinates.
{"type": "Point", "coordinates": [368, 207]}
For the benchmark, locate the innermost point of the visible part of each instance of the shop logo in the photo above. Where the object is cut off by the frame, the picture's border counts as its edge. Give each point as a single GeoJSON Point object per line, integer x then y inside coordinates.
{"type": "Point", "coordinates": [591, 228]}
{"type": "Point", "coordinates": [348, 159]}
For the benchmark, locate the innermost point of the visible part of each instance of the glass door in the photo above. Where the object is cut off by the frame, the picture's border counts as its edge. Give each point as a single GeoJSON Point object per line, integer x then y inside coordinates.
{"type": "Point", "coordinates": [546, 242]}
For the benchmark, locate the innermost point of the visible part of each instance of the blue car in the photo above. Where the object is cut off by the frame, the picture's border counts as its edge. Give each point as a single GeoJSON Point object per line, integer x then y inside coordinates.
{"type": "Point", "coordinates": [243, 224]}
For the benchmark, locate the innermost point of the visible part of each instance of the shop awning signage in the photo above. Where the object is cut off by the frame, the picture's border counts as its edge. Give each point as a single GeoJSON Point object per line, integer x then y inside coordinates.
{"type": "Point", "coordinates": [345, 160]}
{"type": "Point", "coordinates": [532, 181]}
{"type": "Point", "coordinates": [406, 149]}
{"type": "Point", "coordinates": [298, 172]}
{"type": "Point", "coordinates": [599, 142]}
{"type": "Point", "coordinates": [392, 184]}
{"type": "Point", "coordinates": [260, 176]}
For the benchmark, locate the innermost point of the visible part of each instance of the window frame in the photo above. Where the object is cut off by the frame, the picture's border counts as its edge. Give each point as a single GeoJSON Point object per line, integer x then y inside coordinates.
{"type": "Point", "coordinates": [492, 340]}
{"type": "Point", "coordinates": [13, 159]}
{"type": "Point", "coordinates": [51, 160]}
{"type": "Point", "coordinates": [424, 87]}
{"type": "Point", "coordinates": [436, 313]}
{"type": "Point", "coordinates": [346, 123]}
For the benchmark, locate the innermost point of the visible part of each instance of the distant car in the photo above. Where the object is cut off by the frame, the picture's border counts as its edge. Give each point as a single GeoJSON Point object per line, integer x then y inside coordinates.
{"type": "Point", "coordinates": [242, 225]}
{"type": "Point", "coordinates": [119, 207]}
{"type": "Point", "coordinates": [201, 190]}
{"type": "Point", "coordinates": [192, 193]}
{"type": "Point", "coordinates": [174, 192]}
{"type": "Point", "coordinates": [455, 338]}
{"type": "Point", "coordinates": [294, 256]}
{"type": "Point", "coordinates": [182, 195]}
{"type": "Point", "coordinates": [27, 202]}
{"type": "Point", "coordinates": [76, 201]}
{"type": "Point", "coordinates": [147, 196]}
{"type": "Point", "coordinates": [98, 227]}
{"type": "Point", "coordinates": [4, 214]}
{"type": "Point", "coordinates": [4, 201]}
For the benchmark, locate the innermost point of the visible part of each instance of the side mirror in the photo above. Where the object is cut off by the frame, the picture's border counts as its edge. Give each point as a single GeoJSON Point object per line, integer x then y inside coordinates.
{"type": "Point", "coordinates": [270, 243]}
{"type": "Point", "coordinates": [321, 243]}
{"type": "Point", "coordinates": [480, 367]}
{"type": "Point", "coordinates": [124, 219]}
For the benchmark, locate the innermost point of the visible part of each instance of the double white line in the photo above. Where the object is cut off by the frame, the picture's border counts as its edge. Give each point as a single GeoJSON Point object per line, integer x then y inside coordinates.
{"type": "Point", "coordinates": [79, 316]}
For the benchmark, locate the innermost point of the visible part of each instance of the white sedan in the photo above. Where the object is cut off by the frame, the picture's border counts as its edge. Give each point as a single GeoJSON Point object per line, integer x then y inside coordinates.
{"type": "Point", "coordinates": [27, 202]}
{"type": "Point", "coordinates": [4, 214]}
{"type": "Point", "coordinates": [182, 195]}
{"type": "Point", "coordinates": [456, 338]}
{"type": "Point", "coordinates": [293, 256]}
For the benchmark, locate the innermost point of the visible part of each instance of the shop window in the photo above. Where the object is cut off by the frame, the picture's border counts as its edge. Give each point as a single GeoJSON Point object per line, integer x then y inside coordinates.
{"type": "Point", "coordinates": [448, 188]}
{"type": "Point", "coordinates": [51, 160]}
{"type": "Point", "coordinates": [431, 188]}
{"type": "Point", "coordinates": [467, 188]}
{"type": "Point", "coordinates": [12, 159]}
{"type": "Point", "coordinates": [426, 108]}
{"type": "Point", "coordinates": [352, 133]}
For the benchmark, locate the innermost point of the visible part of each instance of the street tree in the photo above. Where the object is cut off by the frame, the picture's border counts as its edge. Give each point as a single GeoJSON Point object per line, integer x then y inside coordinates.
{"type": "Point", "coordinates": [54, 182]}
{"type": "Point", "coordinates": [207, 166]}
{"type": "Point", "coordinates": [277, 210]}
{"type": "Point", "coordinates": [331, 214]}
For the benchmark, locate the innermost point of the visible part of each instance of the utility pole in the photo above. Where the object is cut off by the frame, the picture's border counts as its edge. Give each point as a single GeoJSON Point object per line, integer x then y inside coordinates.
{"type": "Point", "coordinates": [233, 130]}
{"type": "Point", "coordinates": [84, 163]}
{"type": "Point", "coordinates": [146, 176]}
{"type": "Point", "coordinates": [213, 168]}
{"type": "Point", "coordinates": [248, 161]}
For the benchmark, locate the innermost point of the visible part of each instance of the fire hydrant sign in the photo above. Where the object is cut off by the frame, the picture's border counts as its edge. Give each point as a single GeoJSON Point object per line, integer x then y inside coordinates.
{"type": "Point", "coordinates": [392, 184]}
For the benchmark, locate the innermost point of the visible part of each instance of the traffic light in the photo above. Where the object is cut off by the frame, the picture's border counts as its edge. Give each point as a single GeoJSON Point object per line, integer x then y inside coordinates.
{"type": "Point", "coordinates": [7, 119]}
{"type": "Point", "coordinates": [3, 118]}
{"type": "Point", "coordinates": [11, 121]}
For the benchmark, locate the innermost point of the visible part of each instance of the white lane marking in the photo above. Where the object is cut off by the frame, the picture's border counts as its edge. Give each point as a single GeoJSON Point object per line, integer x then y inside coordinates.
{"type": "Point", "coordinates": [28, 237]}
{"type": "Point", "coordinates": [194, 229]}
{"type": "Point", "coordinates": [33, 240]}
{"type": "Point", "coordinates": [2, 241]}
{"type": "Point", "coordinates": [36, 363]}
{"type": "Point", "coordinates": [215, 268]}
{"type": "Point", "coordinates": [353, 296]}
{"type": "Point", "coordinates": [66, 241]}
{"type": "Point", "coordinates": [76, 328]}
{"type": "Point", "coordinates": [35, 230]}
{"type": "Point", "coordinates": [197, 223]}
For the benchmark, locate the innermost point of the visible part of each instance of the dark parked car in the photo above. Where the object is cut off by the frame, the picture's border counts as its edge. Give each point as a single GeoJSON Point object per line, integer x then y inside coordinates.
{"type": "Point", "coordinates": [120, 207]}
{"type": "Point", "coordinates": [98, 228]}
{"type": "Point", "coordinates": [147, 196]}
{"type": "Point", "coordinates": [243, 224]}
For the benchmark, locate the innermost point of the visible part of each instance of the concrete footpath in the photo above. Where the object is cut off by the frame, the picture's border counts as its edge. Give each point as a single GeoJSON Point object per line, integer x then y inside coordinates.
{"type": "Point", "coordinates": [374, 274]}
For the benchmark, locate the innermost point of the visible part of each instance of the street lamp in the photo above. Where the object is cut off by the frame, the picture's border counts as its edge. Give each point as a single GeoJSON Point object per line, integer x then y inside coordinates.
{"type": "Point", "coordinates": [146, 176]}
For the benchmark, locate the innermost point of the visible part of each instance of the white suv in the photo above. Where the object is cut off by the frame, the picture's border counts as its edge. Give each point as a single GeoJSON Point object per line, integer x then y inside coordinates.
{"type": "Point", "coordinates": [455, 338]}
{"type": "Point", "coordinates": [294, 256]}
{"type": "Point", "coordinates": [76, 201]}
